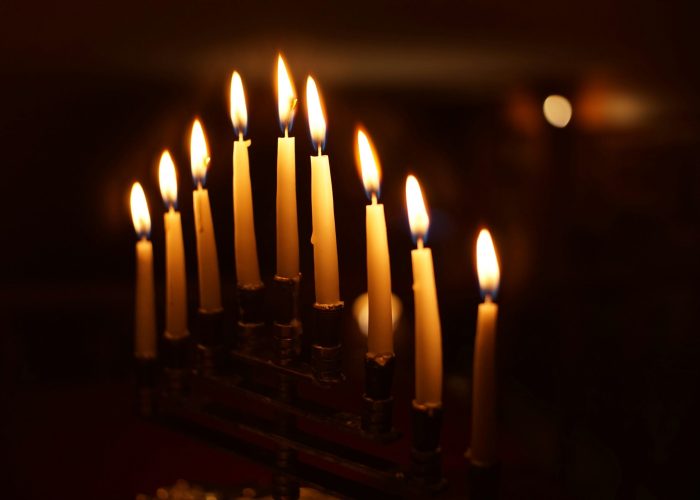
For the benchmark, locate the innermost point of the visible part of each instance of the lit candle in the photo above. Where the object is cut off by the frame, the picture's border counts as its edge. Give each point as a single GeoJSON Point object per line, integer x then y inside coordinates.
{"type": "Point", "coordinates": [145, 314]}
{"type": "Point", "coordinates": [175, 277]}
{"type": "Point", "coordinates": [207, 259]}
{"type": "Point", "coordinates": [246, 252]}
{"type": "Point", "coordinates": [427, 318]}
{"type": "Point", "coordinates": [483, 440]}
{"type": "Point", "coordinates": [380, 331]}
{"type": "Point", "coordinates": [323, 218]}
{"type": "Point", "coordinates": [287, 231]}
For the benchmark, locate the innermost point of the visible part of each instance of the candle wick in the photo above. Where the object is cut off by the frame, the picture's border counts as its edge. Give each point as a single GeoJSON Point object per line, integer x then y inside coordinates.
{"type": "Point", "coordinates": [240, 136]}
{"type": "Point", "coordinates": [419, 243]}
{"type": "Point", "coordinates": [286, 131]}
{"type": "Point", "coordinates": [199, 185]}
{"type": "Point", "coordinates": [171, 207]}
{"type": "Point", "coordinates": [319, 150]}
{"type": "Point", "coordinates": [374, 198]}
{"type": "Point", "coordinates": [488, 299]}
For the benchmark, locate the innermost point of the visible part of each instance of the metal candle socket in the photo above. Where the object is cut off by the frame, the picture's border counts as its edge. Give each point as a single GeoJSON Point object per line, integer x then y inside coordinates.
{"type": "Point", "coordinates": [377, 399]}
{"type": "Point", "coordinates": [146, 375]}
{"type": "Point", "coordinates": [210, 342]}
{"type": "Point", "coordinates": [176, 361]}
{"type": "Point", "coordinates": [287, 327]}
{"type": "Point", "coordinates": [326, 349]}
{"type": "Point", "coordinates": [251, 314]}
{"type": "Point", "coordinates": [426, 459]}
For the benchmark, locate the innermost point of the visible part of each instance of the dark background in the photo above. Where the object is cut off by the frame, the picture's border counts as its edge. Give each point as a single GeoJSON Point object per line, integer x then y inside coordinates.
{"type": "Point", "coordinates": [596, 224]}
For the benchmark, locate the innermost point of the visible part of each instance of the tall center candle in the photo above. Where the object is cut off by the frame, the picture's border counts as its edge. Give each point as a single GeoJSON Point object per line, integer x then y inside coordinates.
{"type": "Point", "coordinates": [175, 276]}
{"type": "Point", "coordinates": [287, 229]}
{"type": "Point", "coordinates": [483, 450]}
{"type": "Point", "coordinates": [246, 252]}
{"type": "Point", "coordinates": [145, 304]}
{"type": "Point", "coordinates": [380, 328]}
{"type": "Point", "coordinates": [207, 258]}
{"type": "Point", "coordinates": [428, 334]}
{"type": "Point", "coordinates": [323, 218]}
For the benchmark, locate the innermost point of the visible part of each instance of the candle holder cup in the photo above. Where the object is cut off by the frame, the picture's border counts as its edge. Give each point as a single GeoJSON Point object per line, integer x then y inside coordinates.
{"type": "Point", "coordinates": [210, 342]}
{"type": "Point", "coordinates": [326, 348]}
{"type": "Point", "coordinates": [426, 454]}
{"type": "Point", "coordinates": [251, 317]}
{"type": "Point", "coordinates": [287, 327]}
{"type": "Point", "coordinates": [378, 402]}
{"type": "Point", "coordinates": [146, 377]}
{"type": "Point", "coordinates": [176, 361]}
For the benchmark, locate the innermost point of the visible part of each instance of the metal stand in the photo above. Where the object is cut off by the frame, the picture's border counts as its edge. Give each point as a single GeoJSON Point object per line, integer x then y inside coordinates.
{"type": "Point", "coordinates": [176, 362]}
{"type": "Point", "coordinates": [210, 342]}
{"type": "Point", "coordinates": [426, 455]}
{"type": "Point", "coordinates": [326, 349]}
{"type": "Point", "coordinates": [378, 402]}
{"type": "Point", "coordinates": [251, 315]}
{"type": "Point", "coordinates": [484, 481]}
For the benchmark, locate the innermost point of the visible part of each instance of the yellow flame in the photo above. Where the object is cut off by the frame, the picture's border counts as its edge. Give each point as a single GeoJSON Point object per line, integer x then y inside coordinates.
{"type": "Point", "coordinates": [168, 179]}
{"type": "Point", "coordinates": [199, 153]}
{"type": "Point", "coordinates": [368, 162]}
{"type": "Point", "coordinates": [557, 110]}
{"type": "Point", "coordinates": [286, 94]}
{"type": "Point", "coordinates": [487, 263]}
{"type": "Point", "coordinates": [417, 214]}
{"type": "Point", "coordinates": [139, 210]}
{"type": "Point", "coordinates": [239, 112]}
{"type": "Point", "coordinates": [317, 118]}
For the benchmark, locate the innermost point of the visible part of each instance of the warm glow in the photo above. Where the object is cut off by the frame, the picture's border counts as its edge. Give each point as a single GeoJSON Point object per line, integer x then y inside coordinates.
{"type": "Point", "coordinates": [557, 110]}
{"type": "Point", "coordinates": [368, 163]}
{"type": "Point", "coordinates": [168, 179]}
{"type": "Point", "coordinates": [487, 264]}
{"type": "Point", "coordinates": [239, 112]}
{"type": "Point", "coordinates": [286, 95]}
{"type": "Point", "coordinates": [139, 211]}
{"type": "Point", "coordinates": [417, 214]}
{"type": "Point", "coordinates": [360, 311]}
{"type": "Point", "coordinates": [317, 118]}
{"type": "Point", "coordinates": [199, 154]}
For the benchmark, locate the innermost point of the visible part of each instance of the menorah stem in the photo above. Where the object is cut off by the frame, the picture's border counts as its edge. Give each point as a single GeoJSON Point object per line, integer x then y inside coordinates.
{"type": "Point", "coordinates": [287, 327]}
{"type": "Point", "coordinates": [285, 486]}
{"type": "Point", "coordinates": [326, 349]}
{"type": "Point", "coordinates": [377, 399]}
{"type": "Point", "coordinates": [251, 317]}
{"type": "Point", "coordinates": [426, 454]}
{"type": "Point", "coordinates": [210, 340]}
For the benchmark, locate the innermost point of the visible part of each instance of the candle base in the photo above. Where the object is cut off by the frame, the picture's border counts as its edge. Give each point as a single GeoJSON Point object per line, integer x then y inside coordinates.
{"type": "Point", "coordinates": [210, 342]}
{"type": "Point", "coordinates": [251, 319]}
{"type": "Point", "coordinates": [176, 362]}
{"type": "Point", "coordinates": [326, 349]}
{"type": "Point", "coordinates": [287, 327]}
{"type": "Point", "coordinates": [426, 454]}
{"type": "Point", "coordinates": [146, 374]}
{"type": "Point", "coordinates": [377, 400]}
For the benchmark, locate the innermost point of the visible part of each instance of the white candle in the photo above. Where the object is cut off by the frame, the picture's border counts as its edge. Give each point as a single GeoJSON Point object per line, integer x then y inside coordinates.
{"type": "Point", "coordinates": [484, 429]}
{"type": "Point", "coordinates": [246, 252]}
{"type": "Point", "coordinates": [427, 317]}
{"type": "Point", "coordinates": [207, 259]}
{"type": "Point", "coordinates": [145, 310]}
{"type": "Point", "coordinates": [175, 276]}
{"type": "Point", "coordinates": [323, 218]}
{"type": "Point", "coordinates": [380, 329]}
{"type": "Point", "coordinates": [287, 230]}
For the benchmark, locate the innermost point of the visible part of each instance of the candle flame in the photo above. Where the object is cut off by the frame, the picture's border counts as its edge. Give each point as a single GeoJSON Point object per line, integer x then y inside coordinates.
{"type": "Point", "coordinates": [487, 264]}
{"type": "Point", "coordinates": [417, 214]}
{"type": "Point", "coordinates": [168, 179]}
{"type": "Point", "coordinates": [239, 112]}
{"type": "Point", "coordinates": [199, 153]}
{"type": "Point", "coordinates": [139, 211]}
{"type": "Point", "coordinates": [368, 163]}
{"type": "Point", "coordinates": [286, 95]}
{"type": "Point", "coordinates": [317, 118]}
